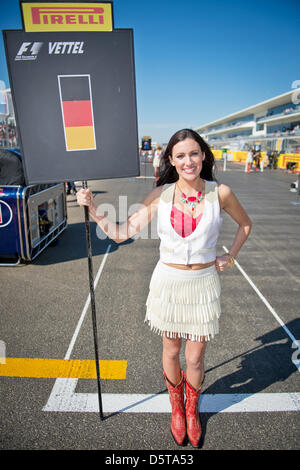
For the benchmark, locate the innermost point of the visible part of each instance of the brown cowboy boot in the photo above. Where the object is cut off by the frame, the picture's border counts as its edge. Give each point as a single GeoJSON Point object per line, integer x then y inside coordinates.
{"type": "Point", "coordinates": [193, 424]}
{"type": "Point", "coordinates": [176, 396]}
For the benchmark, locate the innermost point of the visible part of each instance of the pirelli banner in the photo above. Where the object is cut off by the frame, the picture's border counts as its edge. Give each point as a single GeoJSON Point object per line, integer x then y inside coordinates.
{"type": "Point", "coordinates": [74, 96]}
{"type": "Point", "coordinates": [38, 17]}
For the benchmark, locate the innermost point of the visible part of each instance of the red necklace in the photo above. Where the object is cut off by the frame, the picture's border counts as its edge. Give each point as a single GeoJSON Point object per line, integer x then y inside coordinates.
{"type": "Point", "coordinates": [191, 201]}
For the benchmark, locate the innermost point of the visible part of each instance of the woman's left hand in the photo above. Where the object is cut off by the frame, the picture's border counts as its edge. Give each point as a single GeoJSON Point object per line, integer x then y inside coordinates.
{"type": "Point", "coordinates": [223, 262]}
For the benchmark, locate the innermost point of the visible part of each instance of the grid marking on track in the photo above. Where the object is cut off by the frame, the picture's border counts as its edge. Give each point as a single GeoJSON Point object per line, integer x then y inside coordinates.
{"type": "Point", "coordinates": [55, 368]}
{"type": "Point", "coordinates": [271, 309]}
{"type": "Point", "coordinates": [64, 399]}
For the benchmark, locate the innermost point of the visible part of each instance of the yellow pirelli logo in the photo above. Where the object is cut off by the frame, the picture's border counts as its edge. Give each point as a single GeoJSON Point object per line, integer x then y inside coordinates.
{"type": "Point", "coordinates": [40, 17]}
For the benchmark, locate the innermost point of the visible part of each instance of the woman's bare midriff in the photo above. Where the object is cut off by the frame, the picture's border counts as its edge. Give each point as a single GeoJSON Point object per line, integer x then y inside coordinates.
{"type": "Point", "coordinates": [191, 266]}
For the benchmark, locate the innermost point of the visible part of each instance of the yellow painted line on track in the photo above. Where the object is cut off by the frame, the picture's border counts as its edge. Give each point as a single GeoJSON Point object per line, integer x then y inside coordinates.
{"type": "Point", "coordinates": [62, 368]}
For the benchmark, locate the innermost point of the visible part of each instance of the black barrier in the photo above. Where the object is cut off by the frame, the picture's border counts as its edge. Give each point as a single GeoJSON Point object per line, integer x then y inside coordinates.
{"type": "Point", "coordinates": [11, 168]}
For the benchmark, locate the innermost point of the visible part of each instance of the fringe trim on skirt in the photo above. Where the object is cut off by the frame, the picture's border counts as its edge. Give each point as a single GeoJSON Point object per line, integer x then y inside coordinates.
{"type": "Point", "coordinates": [184, 303]}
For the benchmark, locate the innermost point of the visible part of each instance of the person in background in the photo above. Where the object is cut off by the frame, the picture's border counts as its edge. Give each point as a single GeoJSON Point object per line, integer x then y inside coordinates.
{"type": "Point", "coordinates": [249, 161]}
{"type": "Point", "coordinates": [71, 187]}
{"type": "Point", "coordinates": [156, 161]}
{"type": "Point", "coordinates": [257, 159]}
{"type": "Point", "coordinates": [263, 162]}
{"type": "Point", "coordinates": [183, 303]}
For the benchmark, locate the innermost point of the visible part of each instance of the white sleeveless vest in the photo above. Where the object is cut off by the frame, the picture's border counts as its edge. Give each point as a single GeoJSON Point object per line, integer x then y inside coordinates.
{"type": "Point", "coordinates": [200, 246]}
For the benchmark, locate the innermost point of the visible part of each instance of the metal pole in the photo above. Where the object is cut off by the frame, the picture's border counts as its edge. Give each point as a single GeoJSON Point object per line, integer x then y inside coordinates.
{"type": "Point", "coordinates": [92, 294]}
{"type": "Point", "coordinates": [224, 161]}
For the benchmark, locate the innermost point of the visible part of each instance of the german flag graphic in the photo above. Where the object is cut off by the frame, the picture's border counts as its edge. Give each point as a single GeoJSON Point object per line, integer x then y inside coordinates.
{"type": "Point", "coordinates": [77, 112]}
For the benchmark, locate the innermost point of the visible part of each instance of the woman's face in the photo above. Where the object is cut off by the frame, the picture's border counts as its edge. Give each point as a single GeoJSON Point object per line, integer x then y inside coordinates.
{"type": "Point", "coordinates": [187, 157]}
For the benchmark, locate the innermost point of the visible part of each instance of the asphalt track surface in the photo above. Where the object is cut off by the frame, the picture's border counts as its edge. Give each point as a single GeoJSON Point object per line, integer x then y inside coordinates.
{"type": "Point", "coordinates": [253, 357]}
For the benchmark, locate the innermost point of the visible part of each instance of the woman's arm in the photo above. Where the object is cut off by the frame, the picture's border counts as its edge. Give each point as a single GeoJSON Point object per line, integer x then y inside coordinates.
{"type": "Point", "coordinates": [134, 224]}
{"type": "Point", "coordinates": [230, 204]}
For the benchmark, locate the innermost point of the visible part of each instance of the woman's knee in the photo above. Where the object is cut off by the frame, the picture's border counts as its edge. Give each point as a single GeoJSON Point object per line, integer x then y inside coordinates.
{"type": "Point", "coordinates": [194, 356]}
{"type": "Point", "coordinates": [171, 347]}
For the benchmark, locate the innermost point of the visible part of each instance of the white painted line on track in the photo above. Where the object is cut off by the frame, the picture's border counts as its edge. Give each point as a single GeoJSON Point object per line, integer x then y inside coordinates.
{"type": "Point", "coordinates": [64, 399]}
{"type": "Point", "coordinates": [86, 306]}
{"type": "Point", "coordinates": [271, 309]}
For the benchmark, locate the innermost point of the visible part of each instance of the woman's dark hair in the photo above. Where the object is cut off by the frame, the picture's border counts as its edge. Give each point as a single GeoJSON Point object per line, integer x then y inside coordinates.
{"type": "Point", "coordinates": [168, 173]}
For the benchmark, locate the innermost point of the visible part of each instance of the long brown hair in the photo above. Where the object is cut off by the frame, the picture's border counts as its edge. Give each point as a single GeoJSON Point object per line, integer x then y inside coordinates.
{"type": "Point", "coordinates": [168, 173]}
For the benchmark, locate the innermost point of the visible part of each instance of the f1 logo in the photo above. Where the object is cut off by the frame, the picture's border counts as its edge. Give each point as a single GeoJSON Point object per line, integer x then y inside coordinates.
{"type": "Point", "coordinates": [28, 50]}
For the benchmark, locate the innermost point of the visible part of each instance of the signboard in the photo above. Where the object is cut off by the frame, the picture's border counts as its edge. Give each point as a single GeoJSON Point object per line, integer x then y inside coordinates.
{"type": "Point", "coordinates": [74, 98]}
{"type": "Point", "coordinates": [69, 16]}
{"type": "Point", "coordinates": [146, 143]}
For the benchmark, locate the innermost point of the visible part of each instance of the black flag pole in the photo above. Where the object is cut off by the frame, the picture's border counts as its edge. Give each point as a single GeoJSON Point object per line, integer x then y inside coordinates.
{"type": "Point", "coordinates": [92, 294]}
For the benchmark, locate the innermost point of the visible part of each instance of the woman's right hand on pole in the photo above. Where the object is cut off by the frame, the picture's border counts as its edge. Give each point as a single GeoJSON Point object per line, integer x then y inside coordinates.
{"type": "Point", "coordinates": [85, 198]}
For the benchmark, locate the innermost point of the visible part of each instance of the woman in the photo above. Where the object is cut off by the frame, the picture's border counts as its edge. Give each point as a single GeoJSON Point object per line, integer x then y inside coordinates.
{"type": "Point", "coordinates": [249, 161]}
{"type": "Point", "coordinates": [184, 294]}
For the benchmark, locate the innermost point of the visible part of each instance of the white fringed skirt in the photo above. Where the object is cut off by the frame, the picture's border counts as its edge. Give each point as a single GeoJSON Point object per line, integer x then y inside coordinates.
{"type": "Point", "coordinates": [184, 303]}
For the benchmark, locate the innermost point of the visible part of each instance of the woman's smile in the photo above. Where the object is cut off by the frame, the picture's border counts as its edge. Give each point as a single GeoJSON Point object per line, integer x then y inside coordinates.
{"type": "Point", "coordinates": [189, 170]}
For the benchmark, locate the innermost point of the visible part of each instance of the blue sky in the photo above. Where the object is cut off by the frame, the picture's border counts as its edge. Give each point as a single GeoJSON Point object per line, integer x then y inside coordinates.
{"type": "Point", "coordinates": [197, 61]}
